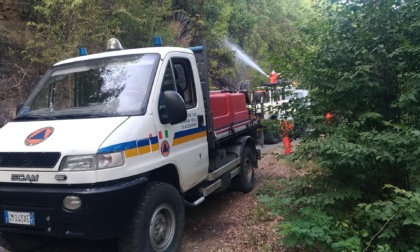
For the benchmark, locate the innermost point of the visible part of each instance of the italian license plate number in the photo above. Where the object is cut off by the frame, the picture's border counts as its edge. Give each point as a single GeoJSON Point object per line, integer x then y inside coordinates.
{"type": "Point", "coordinates": [21, 218]}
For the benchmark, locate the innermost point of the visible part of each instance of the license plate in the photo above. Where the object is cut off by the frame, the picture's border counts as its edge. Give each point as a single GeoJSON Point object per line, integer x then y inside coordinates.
{"type": "Point", "coordinates": [21, 218]}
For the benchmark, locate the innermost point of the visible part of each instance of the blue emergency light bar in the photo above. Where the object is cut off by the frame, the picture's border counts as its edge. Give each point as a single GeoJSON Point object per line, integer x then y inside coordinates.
{"type": "Point", "coordinates": [196, 48]}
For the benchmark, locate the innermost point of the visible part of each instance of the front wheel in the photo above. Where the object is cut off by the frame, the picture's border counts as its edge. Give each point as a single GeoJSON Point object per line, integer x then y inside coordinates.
{"type": "Point", "coordinates": [246, 178]}
{"type": "Point", "coordinates": [158, 223]}
{"type": "Point", "coordinates": [22, 242]}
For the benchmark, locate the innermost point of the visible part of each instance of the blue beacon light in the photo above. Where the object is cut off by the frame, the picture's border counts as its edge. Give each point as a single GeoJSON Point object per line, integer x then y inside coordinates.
{"type": "Point", "coordinates": [157, 41]}
{"type": "Point", "coordinates": [83, 51]}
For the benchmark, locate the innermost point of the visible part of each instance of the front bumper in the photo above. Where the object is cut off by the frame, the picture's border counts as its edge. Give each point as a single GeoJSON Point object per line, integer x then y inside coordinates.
{"type": "Point", "coordinates": [107, 208]}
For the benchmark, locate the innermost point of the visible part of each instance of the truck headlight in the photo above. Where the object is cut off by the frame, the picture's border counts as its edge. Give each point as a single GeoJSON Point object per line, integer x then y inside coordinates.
{"type": "Point", "coordinates": [110, 160]}
{"type": "Point", "coordinates": [92, 162]}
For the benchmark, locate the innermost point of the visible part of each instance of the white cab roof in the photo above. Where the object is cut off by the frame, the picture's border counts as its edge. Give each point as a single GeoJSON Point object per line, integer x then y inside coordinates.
{"type": "Point", "coordinates": [158, 50]}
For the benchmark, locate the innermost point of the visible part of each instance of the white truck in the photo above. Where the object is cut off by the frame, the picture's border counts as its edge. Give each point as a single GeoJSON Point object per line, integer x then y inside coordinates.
{"type": "Point", "coordinates": [269, 99]}
{"type": "Point", "coordinates": [116, 144]}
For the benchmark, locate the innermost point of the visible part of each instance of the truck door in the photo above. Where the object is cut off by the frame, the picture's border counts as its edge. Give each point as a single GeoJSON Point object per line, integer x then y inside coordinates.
{"type": "Point", "coordinates": [184, 144]}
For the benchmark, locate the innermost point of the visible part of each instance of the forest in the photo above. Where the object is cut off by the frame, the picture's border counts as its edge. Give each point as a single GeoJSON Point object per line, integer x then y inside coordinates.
{"type": "Point", "coordinates": [358, 58]}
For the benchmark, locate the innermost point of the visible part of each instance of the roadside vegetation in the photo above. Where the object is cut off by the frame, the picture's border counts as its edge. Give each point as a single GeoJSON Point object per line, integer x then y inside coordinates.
{"type": "Point", "coordinates": [362, 192]}
{"type": "Point", "coordinates": [54, 30]}
{"type": "Point", "coordinates": [360, 60]}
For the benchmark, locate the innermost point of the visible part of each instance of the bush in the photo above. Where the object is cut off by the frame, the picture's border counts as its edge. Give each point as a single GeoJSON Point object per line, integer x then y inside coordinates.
{"type": "Point", "coordinates": [365, 72]}
{"type": "Point", "coordinates": [392, 223]}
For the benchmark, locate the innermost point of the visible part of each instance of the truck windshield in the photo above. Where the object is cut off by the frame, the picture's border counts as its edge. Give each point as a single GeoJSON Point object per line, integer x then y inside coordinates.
{"type": "Point", "coordinates": [112, 86]}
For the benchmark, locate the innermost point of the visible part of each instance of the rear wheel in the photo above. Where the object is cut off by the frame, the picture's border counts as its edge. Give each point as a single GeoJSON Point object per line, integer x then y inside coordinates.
{"type": "Point", "coordinates": [270, 137]}
{"type": "Point", "coordinates": [246, 178]}
{"type": "Point", "coordinates": [158, 223]}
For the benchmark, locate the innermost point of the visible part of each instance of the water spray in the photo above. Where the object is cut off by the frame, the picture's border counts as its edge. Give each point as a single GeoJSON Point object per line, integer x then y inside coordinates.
{"type": "Point", "coordinates": [242, 56]}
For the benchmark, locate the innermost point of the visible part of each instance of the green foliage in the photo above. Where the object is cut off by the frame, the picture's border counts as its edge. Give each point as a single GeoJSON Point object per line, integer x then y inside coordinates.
{"type": "Point", "coordinates": [137, 22]}
{"type": "Point", "coordinates": [223, 71]}
{"type": "Point", "coordinates": [369, 142]}
{"type": "Point", "coordinates": [278, 36]}
{"type": "Point", "coordinates": [62, 26]}
{"type": "Point", "coordinates": [323, 215]}
{"type": "Point", "coordinates": [217, 14]}
{"type": "Point", "coordinates": [310, 216]}
{"type": "Point", "coordinates": [367, 160]}
{"type": "Point", "coordinates": [26, 11]}
{"type": "Point", "coordinates": [364, 70]}
{"type": "Point", "coordinates": [392, 221]}
{"type": "Point", "coordinates": [310, 225]}
{"type": "Point", "coordinates": [271, 125]}
{"type": "Point", "coordinates": [242, 21]}
{"type": "Point", "coordinates": [222, 68]}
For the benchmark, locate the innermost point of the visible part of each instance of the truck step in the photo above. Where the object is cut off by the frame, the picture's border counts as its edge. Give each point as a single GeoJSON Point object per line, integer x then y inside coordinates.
{"type": "Point", "coordinates": [211, 188]}
{"type": "Point", "coordinates": [222, 170]}
{"type": "Point", "coordinates": [195, 203]}
{"type": "Point", "coordinates": [204, 191]}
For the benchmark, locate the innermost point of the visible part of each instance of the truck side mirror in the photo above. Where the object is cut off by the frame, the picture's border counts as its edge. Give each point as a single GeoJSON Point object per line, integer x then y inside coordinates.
{"type": "Point", "coordinates": [172, 108]}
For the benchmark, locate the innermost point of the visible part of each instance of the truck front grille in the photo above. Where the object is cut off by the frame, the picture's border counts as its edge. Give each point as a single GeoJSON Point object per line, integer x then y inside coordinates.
{"type": "Point", "coordinates": [29, 159]}
{"type": "Point", "coordinates": [29, 201]}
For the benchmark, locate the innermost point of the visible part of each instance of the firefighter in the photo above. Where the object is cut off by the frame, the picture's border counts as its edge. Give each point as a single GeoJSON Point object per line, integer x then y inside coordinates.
{"type": "Point", "coordinates": [273, 77]}
{"type": "Point", "coordinates": [286, 129]}
{"type": "Point", "coordinates": [329, 117]}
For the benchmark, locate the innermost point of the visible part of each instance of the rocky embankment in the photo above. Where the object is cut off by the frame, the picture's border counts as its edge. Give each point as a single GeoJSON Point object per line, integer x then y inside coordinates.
{"type": "Point", "coordinates": [16, 75]}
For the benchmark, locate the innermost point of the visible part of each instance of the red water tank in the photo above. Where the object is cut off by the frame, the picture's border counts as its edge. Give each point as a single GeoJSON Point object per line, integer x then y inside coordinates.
{"type": "Point", "coordinates": [228, 108]}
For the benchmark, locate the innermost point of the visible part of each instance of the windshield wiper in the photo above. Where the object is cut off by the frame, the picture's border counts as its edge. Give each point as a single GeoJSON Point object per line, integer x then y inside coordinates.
{"type": "Point", "coordinates": [60, 117]}
{"type": "Point", "coordinates": [76, 116]}
{"type": "Point", "coordinates": [34, 118]}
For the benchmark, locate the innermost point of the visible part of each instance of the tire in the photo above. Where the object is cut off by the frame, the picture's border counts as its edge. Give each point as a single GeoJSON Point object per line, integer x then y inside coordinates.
{"type": "Point", "coordinates": [245, 180]}
{"type": "Point", "coordinates": [22, 242]}
{"type": "Point", "coordinates": [158, 223]}
{"type": "Point", "coordinates": [277, 136]}
{"type": "Point", "coordinates": [270, 137]}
